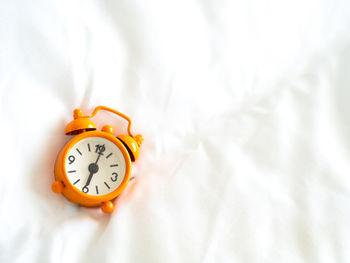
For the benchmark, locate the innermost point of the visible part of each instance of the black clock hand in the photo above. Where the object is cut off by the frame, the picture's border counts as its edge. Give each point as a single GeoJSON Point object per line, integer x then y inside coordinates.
{"type": "Point", "coordinates": [93, 167]}
{"type": "Point", "coordinates": [89, 179]}
{"type": "Point", "coordinates": [101, 149]}
{"type": "Point", "coordinates": [98, 157]}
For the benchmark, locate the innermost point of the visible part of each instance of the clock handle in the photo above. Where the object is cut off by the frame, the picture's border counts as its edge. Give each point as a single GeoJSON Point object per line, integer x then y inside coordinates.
{"type": "Point", "coordinates": [113, 111]}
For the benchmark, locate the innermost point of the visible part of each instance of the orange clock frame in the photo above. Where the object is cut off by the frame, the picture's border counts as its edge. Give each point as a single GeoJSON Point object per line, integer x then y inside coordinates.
{"type": "Point", "coordinates": [84, 128]}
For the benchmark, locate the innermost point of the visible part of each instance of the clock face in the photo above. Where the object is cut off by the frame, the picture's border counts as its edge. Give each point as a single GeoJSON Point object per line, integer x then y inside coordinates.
{"type": "Point", "coordinates": [95, 166]}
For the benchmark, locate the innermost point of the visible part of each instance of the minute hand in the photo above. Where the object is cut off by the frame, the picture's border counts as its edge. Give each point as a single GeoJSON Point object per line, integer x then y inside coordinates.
{"type": "Point", "coordinates": [100, 152]}
{"type": "Point", "coordinates": [98, 157]}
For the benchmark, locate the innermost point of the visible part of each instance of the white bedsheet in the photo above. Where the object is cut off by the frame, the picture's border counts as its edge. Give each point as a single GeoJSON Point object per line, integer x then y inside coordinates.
{"type": "Point", "coordinates": [244, 107]}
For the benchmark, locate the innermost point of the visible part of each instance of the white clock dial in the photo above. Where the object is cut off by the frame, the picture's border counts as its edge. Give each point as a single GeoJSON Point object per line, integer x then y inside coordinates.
{"type": "Point", "coordinates": [95, 166]}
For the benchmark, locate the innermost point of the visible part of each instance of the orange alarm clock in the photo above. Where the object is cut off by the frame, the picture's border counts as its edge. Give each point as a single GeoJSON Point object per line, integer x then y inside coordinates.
{"type": "Point", "coordinates": [94, 167]}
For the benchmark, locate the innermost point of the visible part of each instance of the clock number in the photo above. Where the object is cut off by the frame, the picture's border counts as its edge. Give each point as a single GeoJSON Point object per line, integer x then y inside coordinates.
{"type": "Point", "coordinates": [100, 148]}
{"type": "Point", "coordinates": [115, 178]}
{"type": "Point", "coordinates": [71, 159]}
{"type": "Point", "coordinates": [85, 189]}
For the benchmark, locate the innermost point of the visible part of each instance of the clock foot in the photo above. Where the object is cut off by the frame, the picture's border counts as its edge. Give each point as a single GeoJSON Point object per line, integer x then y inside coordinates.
{"type": "Point", "coordinates": [57, 187]}
{"type": "Point", "coordinates": [107, 207]}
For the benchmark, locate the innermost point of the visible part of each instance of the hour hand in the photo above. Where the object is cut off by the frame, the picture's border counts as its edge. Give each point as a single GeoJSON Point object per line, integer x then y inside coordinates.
{"type": "Point", "coordinates": [93, 168]}
{"type": "Point", "coordinates": [89, 179]}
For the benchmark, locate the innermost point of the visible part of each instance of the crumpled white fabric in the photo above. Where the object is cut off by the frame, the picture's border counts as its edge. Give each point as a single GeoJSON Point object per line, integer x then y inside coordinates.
{"type": "Point", "coordinates": [244, 107]}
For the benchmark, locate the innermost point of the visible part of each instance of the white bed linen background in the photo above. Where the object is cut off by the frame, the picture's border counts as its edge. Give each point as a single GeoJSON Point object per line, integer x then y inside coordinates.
{"type": "Point", "coordinates": [244, 107]}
